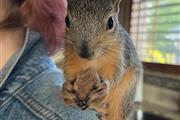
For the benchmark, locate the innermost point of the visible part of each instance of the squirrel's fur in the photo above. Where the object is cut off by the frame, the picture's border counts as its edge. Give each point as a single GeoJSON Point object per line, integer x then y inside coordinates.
{"type": "Point", "coordinates": [111, 54]}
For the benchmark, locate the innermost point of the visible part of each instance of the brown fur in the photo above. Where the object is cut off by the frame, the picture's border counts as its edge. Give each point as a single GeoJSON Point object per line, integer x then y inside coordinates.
{"type": "Point", "coordinates": [120, 92]}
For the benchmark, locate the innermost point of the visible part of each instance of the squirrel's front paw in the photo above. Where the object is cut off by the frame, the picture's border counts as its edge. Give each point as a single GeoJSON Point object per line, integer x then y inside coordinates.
{"type": "Point", "coordinates": [68, 93]}
{"type": "Point", "coordinates": [93, 99]}
{"type": "Point", "coordinates": [99, 93]}
{"type": "Point", "coordinates": [73, 96]}
{"type": "Point", "coordinates": [90, 89]}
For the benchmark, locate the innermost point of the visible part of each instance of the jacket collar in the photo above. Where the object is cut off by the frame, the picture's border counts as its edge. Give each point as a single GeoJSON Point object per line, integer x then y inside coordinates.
{"type": "Point", "coordinates": [13, 63]}
{"type": "Point", "coordinates": [25, 65]}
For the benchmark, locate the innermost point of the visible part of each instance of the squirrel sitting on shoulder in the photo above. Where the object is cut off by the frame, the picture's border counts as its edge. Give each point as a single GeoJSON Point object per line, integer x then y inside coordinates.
{"type": "Point", "coordinates": [97, 47]}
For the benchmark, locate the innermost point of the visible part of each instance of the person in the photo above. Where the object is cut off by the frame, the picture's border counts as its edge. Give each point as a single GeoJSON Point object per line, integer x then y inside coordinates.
{"type": "Point", "coordinates": [30, 82]}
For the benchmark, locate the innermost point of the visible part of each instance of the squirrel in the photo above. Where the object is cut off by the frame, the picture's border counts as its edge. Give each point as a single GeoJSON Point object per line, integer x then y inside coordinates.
{"type": "Point", "coordinates": [97, 47]}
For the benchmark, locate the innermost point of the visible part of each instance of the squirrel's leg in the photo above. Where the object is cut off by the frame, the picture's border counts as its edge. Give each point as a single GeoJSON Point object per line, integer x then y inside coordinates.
{"type": "Point", "coordinates": [121, 97]}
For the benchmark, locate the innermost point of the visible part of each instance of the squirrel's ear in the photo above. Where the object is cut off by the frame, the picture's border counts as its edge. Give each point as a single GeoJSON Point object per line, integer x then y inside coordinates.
{"type": "Point", "coordinates": [116, 4]}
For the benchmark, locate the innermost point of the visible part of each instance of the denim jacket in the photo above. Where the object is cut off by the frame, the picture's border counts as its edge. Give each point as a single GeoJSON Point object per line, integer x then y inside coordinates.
{"type": "Point", "coordinates": [32, 89]}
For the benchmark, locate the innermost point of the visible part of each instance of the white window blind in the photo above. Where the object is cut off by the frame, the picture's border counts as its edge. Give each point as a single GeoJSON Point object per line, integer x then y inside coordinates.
{"type": "Point", "coordinates": [155, 29]}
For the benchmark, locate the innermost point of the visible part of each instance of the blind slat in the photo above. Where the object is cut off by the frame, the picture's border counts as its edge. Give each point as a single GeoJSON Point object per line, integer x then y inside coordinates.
{"type": "Point", "coordinates": [136, 23]}
{"type": "Point", "coordinates": [153, 32]}
{"type": "Point", "coordinates": [142, 16]}
{"type": "Point", "coordinates": [155, 7]}
{"type": "Point", "coordinates": [143, 1]}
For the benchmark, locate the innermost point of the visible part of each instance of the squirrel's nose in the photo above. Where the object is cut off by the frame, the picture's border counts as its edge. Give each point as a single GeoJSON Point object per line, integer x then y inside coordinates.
{"type": "Point", "coordinates": [85, 52]}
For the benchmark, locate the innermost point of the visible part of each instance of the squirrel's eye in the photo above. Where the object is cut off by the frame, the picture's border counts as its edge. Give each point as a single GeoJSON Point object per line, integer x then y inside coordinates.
{"type": "Point", "coordinates": [110, 23]}
{"type": "Point", "coordinates": [67, 21]}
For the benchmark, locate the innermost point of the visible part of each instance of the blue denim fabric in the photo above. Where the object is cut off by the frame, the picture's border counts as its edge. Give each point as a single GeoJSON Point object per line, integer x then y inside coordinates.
{"type": "Point", "coordinates": [32, 91]}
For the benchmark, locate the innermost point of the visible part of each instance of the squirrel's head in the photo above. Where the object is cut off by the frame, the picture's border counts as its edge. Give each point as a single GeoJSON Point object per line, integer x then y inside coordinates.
{"type": "Point", "coordinates": [92, 27]}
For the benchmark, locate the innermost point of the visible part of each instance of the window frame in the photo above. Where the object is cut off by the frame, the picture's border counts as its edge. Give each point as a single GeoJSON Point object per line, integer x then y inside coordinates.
{"type": "Point", "coordinates": [125, 19]}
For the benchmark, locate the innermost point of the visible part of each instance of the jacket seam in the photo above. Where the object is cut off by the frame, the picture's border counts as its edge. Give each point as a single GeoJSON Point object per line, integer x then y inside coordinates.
{"type": "Point", "coordinates": [36, 107]}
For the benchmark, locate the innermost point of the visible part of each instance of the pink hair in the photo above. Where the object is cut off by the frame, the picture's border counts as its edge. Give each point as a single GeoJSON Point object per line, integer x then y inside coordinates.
{"type": "Point", "coordinates": [47, 17]}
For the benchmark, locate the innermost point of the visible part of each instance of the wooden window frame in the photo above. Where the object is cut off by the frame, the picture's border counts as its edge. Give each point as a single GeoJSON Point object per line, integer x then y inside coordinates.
{"type": "Point", "coordinates": [125, 19]}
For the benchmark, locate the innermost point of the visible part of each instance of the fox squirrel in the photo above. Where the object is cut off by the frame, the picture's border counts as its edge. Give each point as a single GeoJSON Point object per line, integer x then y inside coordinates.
{"type": "Point", "coordinates": [101, 65]}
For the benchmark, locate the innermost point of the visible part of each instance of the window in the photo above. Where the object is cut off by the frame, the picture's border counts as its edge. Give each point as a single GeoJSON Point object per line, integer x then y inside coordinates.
{"type": "Point", "coordinates": [155, 29]}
